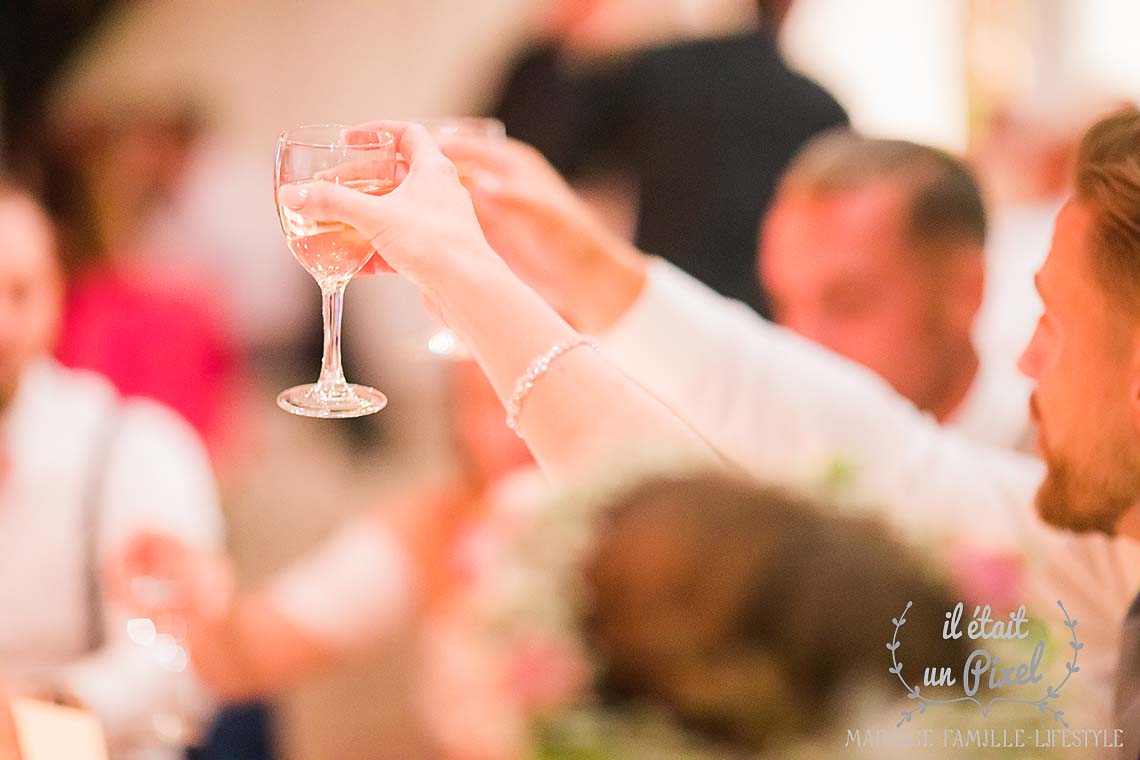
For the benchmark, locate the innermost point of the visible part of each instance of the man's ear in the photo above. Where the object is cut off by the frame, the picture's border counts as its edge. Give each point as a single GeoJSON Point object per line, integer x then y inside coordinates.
{"type": "Point", "coordinates": [1134, 380]}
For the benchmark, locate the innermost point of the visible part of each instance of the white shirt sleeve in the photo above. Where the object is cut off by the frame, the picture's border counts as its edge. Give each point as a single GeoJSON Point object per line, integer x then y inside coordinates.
{"type": "Point", "coordinates": [793, 414]}
{"type": "Point", "coordinates": [797, 415]}
{"type": "Point", "coordinates": [351, 590]}
{"type": "Point", "coordinates": [157, 477]}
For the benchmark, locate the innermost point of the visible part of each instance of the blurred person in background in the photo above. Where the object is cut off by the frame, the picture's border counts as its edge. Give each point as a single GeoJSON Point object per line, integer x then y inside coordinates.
{"type": "Point", "coordinates": [729, 615]}
{"type": "Point", "coordinates": [742, 615]}
{"type": "Point", "coordinates": [153, 329]}
{"type": "Point", "coordinates": [875, 249]}
{"type": "Point", "coordinates": [689, 615]}
{"type": "Point", "coordinates": [81, 469]}
{"type": "Point", "coordinates": [705, 128]}
{"type": "Point", "coordinates": [557, 91]}
{"type": "Point", "coordinates": [363, 585]}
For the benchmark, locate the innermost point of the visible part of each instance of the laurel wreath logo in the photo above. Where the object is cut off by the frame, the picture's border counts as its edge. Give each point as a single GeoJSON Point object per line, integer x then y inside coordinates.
{"type": "Point", "coordinates": [1042, 704]}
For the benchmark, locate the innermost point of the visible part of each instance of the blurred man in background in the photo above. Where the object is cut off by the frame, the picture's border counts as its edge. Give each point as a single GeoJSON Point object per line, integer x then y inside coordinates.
{"type": "Point", "coordinates": [80, 470]}
{"type": "Point", "coordinates": [153, 326]}
{"type": "Point", "coordinates": [362, 587]}
{"type": "Point", "coordinates": [875, 249]}
{"type": "Point", "coordinates": [705, 128]}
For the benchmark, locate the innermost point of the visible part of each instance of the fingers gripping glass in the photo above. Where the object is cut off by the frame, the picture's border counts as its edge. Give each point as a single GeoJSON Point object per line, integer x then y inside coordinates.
{"type": "Point", "coordinates": [332, 252]}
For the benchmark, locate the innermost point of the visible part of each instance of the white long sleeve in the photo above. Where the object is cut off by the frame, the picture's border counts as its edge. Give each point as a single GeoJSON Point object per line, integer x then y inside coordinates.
{"type": "Point", "coordinates": [788, 411]}
{"type": "Point", "coordinates": [352, 590]}
{"type": "Point", "coordinates": [154, 474]}
{"type": "Point", "coordinates": [158, 478]}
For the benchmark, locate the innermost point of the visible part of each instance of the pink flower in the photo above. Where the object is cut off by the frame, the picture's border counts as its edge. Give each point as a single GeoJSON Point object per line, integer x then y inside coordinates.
{"type": "Point", "coordinates": [986, 576]}
{"type": "Point", "coordinates": [463, 698]}
{"type": "Point", "coordinates": [545, 673]}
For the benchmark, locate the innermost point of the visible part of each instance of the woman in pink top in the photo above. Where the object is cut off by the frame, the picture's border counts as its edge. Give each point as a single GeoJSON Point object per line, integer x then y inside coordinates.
{"type": "Point", "coordinates": [152, 330]}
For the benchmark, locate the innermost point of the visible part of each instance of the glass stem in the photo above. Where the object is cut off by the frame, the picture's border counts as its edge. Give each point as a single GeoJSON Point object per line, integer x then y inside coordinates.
{"type": "Point", "coordinates": [332, 382]}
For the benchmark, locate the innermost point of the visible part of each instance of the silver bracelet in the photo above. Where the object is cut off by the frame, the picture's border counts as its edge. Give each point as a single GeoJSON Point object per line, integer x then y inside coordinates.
{"type": "Point", "coordinates": [536, 370]}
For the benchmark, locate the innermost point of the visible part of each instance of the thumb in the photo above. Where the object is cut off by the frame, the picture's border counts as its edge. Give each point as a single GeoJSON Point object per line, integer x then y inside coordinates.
{"type": "Point", "coordinates": [329, 201]}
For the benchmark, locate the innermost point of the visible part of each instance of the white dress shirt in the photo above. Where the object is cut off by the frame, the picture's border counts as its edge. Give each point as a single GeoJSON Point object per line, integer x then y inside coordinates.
{"type": "Point", "coordinates": [155, 475]}
{"type": "Point", "coordinates": [788, 411]}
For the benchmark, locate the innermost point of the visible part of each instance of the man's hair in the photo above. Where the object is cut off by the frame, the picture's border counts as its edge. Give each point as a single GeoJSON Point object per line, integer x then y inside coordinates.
{"type": "Point", "coordinates": [946, 211]}
{"type": "Point", "coordinates": [1108, 182]}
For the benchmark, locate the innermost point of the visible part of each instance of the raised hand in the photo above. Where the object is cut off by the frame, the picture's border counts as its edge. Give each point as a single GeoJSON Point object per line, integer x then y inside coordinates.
{"type": "Point", "coordinates": [157, 575]}
{"type": "Point", "coordinates": [424, 229]}
{"type": "Point", "coordinates": [546, 233]}
{"type": "Point", "coordinates": [427, 231]}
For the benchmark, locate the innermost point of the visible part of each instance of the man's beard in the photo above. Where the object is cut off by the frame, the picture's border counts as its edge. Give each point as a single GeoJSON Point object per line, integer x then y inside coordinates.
{"type": "Point", "coordinates": [1064, 502]}
{"type": "Point", "coordinates": [1083, 501]}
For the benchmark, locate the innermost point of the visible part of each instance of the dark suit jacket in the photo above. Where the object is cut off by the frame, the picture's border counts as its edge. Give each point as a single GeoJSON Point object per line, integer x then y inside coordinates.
{"type": "Point", "coordinates": [707, 127]}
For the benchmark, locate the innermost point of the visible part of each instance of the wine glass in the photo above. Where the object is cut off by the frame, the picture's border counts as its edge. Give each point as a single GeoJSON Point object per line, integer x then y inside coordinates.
{"type": "Point", "coordinates": [443, 343]}
{"type": "Point", "coordinates": [332, 252]}
{"type": "Point", "coordinates": [163, 635]}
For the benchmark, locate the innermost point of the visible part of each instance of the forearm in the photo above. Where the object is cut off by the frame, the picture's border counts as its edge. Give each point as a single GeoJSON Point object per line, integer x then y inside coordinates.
{"type": "Point", "coordinates": [342, 597]}
{"type": "Point", "coordinates": [255, 651]}
{"type": "Point", "coordinates": [583, 409]}
{"type": "Point", "coordinates": [794, 414]}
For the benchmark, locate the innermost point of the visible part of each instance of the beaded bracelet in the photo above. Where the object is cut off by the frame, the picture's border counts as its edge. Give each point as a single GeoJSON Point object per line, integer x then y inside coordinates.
{"type": "Point", "coordinates": [536, 370]}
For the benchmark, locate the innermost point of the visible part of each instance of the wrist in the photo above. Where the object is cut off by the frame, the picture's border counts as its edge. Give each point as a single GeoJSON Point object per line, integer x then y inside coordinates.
{"type": "Point", "coordinates": [465, 285]}
{"type": "Point", "coordinates": [610, 281]}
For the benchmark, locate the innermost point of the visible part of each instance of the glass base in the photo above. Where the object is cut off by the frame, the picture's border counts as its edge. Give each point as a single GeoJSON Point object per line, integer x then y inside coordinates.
{"type": "Point", "coordinates": [444, 344]}
{"type": "Point", "coordinates": [308, 401]}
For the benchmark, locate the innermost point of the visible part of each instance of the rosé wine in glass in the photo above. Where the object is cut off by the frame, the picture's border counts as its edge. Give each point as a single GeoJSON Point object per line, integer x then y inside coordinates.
{"type": "Point", "coordinates": [332, 252]}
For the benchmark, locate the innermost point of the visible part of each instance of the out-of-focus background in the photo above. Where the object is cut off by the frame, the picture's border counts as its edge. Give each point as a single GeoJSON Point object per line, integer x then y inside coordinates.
{"type": "Point", "coordinates": [200, 88]}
